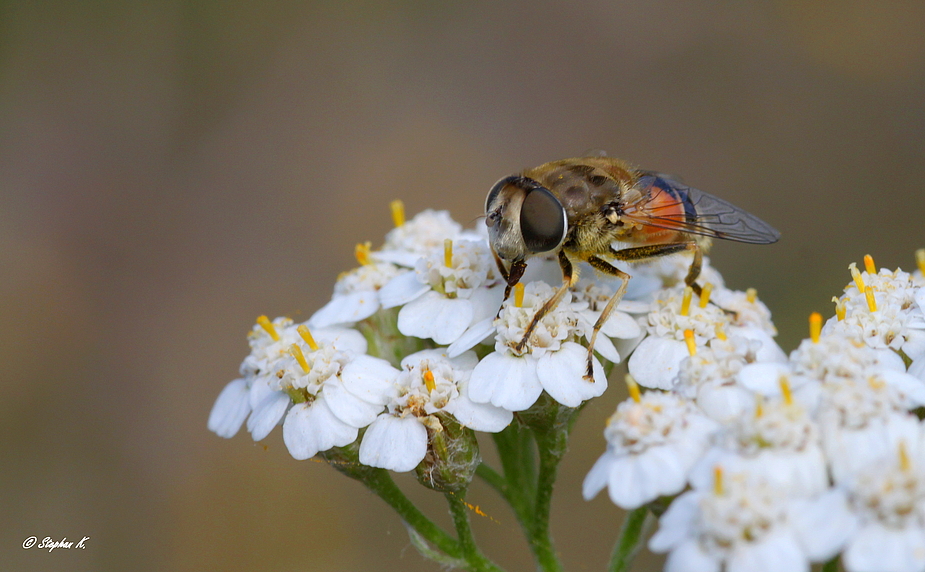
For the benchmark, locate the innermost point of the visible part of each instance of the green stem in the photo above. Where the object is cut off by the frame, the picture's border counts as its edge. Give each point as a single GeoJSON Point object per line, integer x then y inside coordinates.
{"type": "Point", "coordinates": [628, 543]}
{"type": "Point", "coordinates": [518, 485]}
{"type": "Point", "coordinates": [831, 565]}
{"type": "Point", "coordinates": [477, 562]}
{"type": "Point", "coordinates": [381, 483]}
{"type": "Point", "coordinates": [540, 538]}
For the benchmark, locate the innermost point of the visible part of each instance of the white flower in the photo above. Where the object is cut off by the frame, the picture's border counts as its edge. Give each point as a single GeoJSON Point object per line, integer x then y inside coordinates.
{"type": "Point", "coordinates": [710, 377]}
{"type": "Point", "coordinates": [429, 383]}
{"type": "Point", "coordinates": [744, 524]}
{"type": "Point", "coordinates": [514, 379]}
{"type": "Point", "coordinates": [407, 242]}
{"type": "Point", "coordinates": [888, 502]}
{"type": "Point", "coordinates": [779, 441]}
{"type": "Point", "coordinates": [448, 292]}
{"type": "Point", "coordinates": [885, 315]}
{"type": "Point", "coordinates": [324, 380]}
{"type": "Point", "coordinates": [651, 446]}
{"type": "Point", "coordinates": [657, 359]}
{"type": "Point", "coordinates": [356, 295]}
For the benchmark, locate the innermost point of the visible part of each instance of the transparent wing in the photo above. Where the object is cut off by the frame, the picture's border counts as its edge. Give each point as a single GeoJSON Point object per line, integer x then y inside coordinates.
{"type": "Point", "coordinates": [670, 205]}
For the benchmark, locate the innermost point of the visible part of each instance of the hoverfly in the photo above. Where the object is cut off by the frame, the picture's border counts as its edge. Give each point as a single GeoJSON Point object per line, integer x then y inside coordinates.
{"type": "Point", "coordinates": [578, 208]}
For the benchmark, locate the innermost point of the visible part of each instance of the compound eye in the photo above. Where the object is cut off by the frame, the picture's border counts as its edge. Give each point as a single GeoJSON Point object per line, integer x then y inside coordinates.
{"type": "Point", "coordinates": [493, 193]}
{"type": "Point", "coordinates": [542, 221]}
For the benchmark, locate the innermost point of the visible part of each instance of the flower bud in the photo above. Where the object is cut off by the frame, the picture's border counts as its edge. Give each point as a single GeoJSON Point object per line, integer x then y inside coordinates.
{"type": "Point", "coordinates": [452, 455]}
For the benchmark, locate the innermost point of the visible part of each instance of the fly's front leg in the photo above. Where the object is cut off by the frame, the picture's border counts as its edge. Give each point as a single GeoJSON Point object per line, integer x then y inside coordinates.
{"type": "Point", "coordinates": [569, 278]}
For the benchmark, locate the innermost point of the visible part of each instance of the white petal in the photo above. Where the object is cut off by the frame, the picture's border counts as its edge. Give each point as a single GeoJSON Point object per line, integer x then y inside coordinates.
{"type": "Point", "coordinates": [346, 309]}
{"type": "Point", "coordinates": [823, 525]}
{"type": "Point", "coordinates": [370, 379]}
{"type": "Point", "coordinates": [562, 375]}
{"type": "Point", "coordinates": [397, 257]}
{"type": "Point", "coordinates": [656, 362]}
{"type": "Point", "coordinates": [920, 299]}
{"type": "Point", "coordinates": [478, 416]}
{"type": "Point", "coordinates": [230, 409]}
{"type": "Point", "coordinates": [267, 414]}
{"type": "Point", "coordinates": [724, 403]}
{"type": "Point", "coordinates": [310, 428]}
{"type": "Point", "coordinates": [909, 385]}
{"type": "Point", "coordinates": [775, 553]}
{"type": "Point", "coordinates": [347, 407]}
{"type": "Point", "coordinates": [677, 523]}
{"type": "Point", "coordinates": [505, 381]}
{"type": "Point", "coordinates": [914, 347]}
{"type": "Point", "coordinates": [627, 484]}
{"type": "Point", "coordinates": [393, 443]}
{"type": "Point", "coordinates": [596, 479]}
{"type": "Point", "coordinates": [476, 334]}
{"type": "Point", "coordinates": [769, 350]}
{"type": "Point", "coordinates": [620, 325]}
{"type": "Point", "coordinates": [402, 289]}
{"type": "Point", "coordinates": [764, 377]}
{"type": "Point", "coordinates": [343, 339]}
{"type": "Point", "coordinates": [689, 557]}
{"type": "Point", "coordinates": [605, 347]}
{"type": "Point", "coordinates": [917, 369]}
{"type": "Point", "coordinates": [485, 303]}
{"type": "Point", "coordinates": [876, 547]}
{"type": "Point", "coordinates": [433, 316]}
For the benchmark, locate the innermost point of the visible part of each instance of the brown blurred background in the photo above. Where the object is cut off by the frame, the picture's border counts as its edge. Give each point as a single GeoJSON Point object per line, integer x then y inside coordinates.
{"type": "Point", "coordinates": [171, 170]}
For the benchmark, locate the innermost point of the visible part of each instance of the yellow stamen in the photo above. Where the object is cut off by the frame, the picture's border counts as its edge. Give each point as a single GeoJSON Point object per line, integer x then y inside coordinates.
{"type": "Point", "coordinates": [296, 352]}
{"type": "Point", "coordinates": [448, 253]}
{"type": "Point", "coordinates": [720, 333]}
{"type": "Point", "coordinates": [751, 295]}
{"type": "Point", "coordinates": [267, 325]}
{"type": "Point", "coordinates": [920, 259]}
{"type": "Point", "coordinates": [362, 253]}
{"type": "Point", "coordinates": [815, 326]}
{"type": "Point", "coordinates": [691, 343]}
{"type": "Point", "coordinates": [307, 336]}
{"type": "Point", "coordinates": [519, 295]}
{"type": "Point", "coordinates": [858, 281]}
{"type": "Point", "coordinates": [429, 380]}
{"type": "Point", "coordinates": [876, 383]}
{"type": "Point", "coordinates": [759, 405]}
{"type": "Point", "coordinates": [717, 480]}
{"type": "Point", "coordinates": [686, 301]}
{"type": "Point", "coordinates": [705, 294]}
{"type": "Point", "coordinates": [398, 213]}
{"type": "Point", "coordinates": [840, 309]}
{"type": "Point", "coordinates": [785, 389]}
{"type": "Point", "coordinates": [869, 264]}
{"type": "Point", "coordinates": [871, 301]}
{"type": "Point", "coordinates": [905, 464]}
{"type": "Point", "coordinates": [633, 388]}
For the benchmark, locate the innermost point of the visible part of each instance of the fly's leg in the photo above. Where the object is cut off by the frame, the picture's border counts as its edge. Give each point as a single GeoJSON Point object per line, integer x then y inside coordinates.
{"type": "Point", "coordinates": [636, 254]}
{"type": "Point", "coordinates": [569, 278]}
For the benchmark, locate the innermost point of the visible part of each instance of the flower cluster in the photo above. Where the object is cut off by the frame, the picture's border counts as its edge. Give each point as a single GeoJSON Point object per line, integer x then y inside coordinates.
{"type": "Point", "coordinates": [393, 360]}
{"type": "Point", "coordinates": [779, 461]}
{"type": "Point", "coordinates": [766, 461]}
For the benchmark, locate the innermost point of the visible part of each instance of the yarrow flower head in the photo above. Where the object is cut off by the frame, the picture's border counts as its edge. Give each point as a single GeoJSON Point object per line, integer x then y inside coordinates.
{"type": "Point", "coordinates": [356, 292]}
{"type": "Point", "coordinates": [429, 383]}
{"type": "Point", "coordinates": [743, 523]}
{"type": "Point", "coordinates": [880, 310]}
{"type": "Point", "coordinates": [448, 291]}
{"type": "Point", "coordinates": [653, 440]}
{"type": "Point", "coordinates": [514, 376]}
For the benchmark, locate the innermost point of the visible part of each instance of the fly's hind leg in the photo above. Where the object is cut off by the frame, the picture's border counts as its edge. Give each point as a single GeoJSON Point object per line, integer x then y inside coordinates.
{"type": "Point", "coordinates": [569, 278]}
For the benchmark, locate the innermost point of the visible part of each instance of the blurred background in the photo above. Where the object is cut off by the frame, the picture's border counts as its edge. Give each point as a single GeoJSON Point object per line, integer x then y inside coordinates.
{"type": "Point", "coordinates": [171, 170]}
